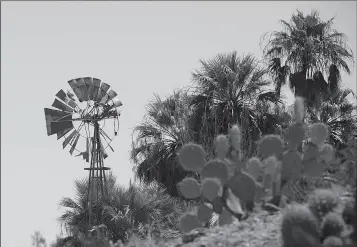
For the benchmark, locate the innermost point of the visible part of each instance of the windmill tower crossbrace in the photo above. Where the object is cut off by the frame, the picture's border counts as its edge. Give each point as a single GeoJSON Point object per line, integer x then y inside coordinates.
{"type": "Point", "coordinates": [79, 117]}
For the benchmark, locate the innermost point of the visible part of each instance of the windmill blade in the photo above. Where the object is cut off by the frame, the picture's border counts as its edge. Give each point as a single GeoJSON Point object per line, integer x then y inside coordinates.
{"type": "Point", "coordinates": [102, 91]}
{"type": "Point", "coordinates": [66, 98]}
{"type": "Point", "coordinates": [77, 92]}
{"type": "Point", "coordinates": [62, 95]}
{"type": "Point", "coordinates": [53, 127]}
{"type": "Point", "coordinates": [108, 97]}
{"type": "Point", "coordinates": [96, 86]}
{"type": "Point", "coordinates": [90, 87]}
{"type": "Point", "coordinates": [83, 88]}
{"type": "Point", "coordinates": [70, 95]}
{"type": "Point", "coordinates": [62, 106]}
{"type": "Point", "coordinates": [105, 155]}
{"type": "Point", "coordinates": [71, 103]}
{"type": "Point", "coordinates": [69, 138]}
{"type": "Point", "coordinates": [78, 89]}
{"type": "Point", "coordinates": [56, 114]}
{"type": "Point", "coordinates": [74, 144]}
{"type": "Point", "coordinates": [62, 133]}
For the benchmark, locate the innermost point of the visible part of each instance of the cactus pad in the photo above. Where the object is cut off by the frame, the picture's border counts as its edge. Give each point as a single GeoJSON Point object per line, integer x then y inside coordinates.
{"type": "Point", "coordinates": [270, 145]}
{"type": "Point", "coordinates": [313, 168]}
{"type": "Point", "coordinates": [233, 166]}
{"type": "Point", "coordinates": [327, 153]}
{"type": "Point", "coordinates": [311, 152]}
{"type": "Point", "coordinates": [235, 137]}
{"type": "Point", "coordinates": [318, 133]}
{"type": "Point", "coordinates": [221, 146]}
{"type": "Point", "coordinates": [211, 188]}
{"type": "Point", "coordinates": [192, 157]}
{"type": "Point", "coordinates": [254, 167]}
{"type": "Point", "coordinates": [294, 135]}
{"type": "Point", "coordinates": [188, 222]}
{"type": "Point", "coordinates": [217, 205]}
{"type": "Point", "coordinates": [292, 166]}
{"type": "Point", "coordinates": [271, 165]}
{"type": "Point", "coordinates": [267, 181]}
{"type": "Point", "coordinates": [215, 169]}
{"type": "Point", "coordinates": [225, 218]}
{"type": "Point", "coordinates": [243, 186]}
{"type": "Point", "coordinates": [204, 213]}
{"type": "Point", "coordinates": [189, 188]}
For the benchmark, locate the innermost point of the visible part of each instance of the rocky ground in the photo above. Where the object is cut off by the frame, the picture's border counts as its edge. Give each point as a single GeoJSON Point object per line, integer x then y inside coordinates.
{"type": "Point", "coordinates": [260, 229]}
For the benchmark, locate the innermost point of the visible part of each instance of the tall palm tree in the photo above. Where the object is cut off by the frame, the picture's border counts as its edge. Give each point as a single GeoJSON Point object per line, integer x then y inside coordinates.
{"type": "Point", "coordinates": [308, 48]}
{"type": "Point", "coordinates": [227, 89]}
{"type": "Point", "coordinates": [158, 138]}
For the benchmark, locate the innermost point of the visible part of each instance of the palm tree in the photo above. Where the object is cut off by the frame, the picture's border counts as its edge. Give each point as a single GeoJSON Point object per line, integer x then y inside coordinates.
{"type": "Point", "coordinates": [337, 112]}
{"type": "Point", "coordinates": [227, 89]}
{"type": "Point", "coordinates": [133, 210]}
{"type": "Point", "coordinates": [152, 210]}
{"type": "Point", "coordinates": [307, 48]}
{"type": "Point", "coordinates": [73, 220]}
{"type": "Point", "coordinates": [159, 137]}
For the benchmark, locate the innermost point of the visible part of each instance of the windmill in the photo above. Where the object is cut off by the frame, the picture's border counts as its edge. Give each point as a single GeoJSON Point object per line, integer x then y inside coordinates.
{"type": "Point", "coordinates": [81, 123]}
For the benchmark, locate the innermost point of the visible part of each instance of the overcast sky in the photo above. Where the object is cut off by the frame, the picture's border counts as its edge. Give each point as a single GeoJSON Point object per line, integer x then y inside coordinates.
{"type": "Point", "coordinates": [139, 48]}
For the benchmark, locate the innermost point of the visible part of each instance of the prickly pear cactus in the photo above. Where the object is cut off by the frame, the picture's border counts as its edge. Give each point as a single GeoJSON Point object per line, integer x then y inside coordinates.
{"type": "Point", "coordinates": [217, 175]}
{"type": "Point", "coordinates": [229, 185]}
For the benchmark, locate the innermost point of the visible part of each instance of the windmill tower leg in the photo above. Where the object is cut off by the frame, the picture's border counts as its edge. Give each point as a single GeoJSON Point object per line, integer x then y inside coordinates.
{"type": "Point", "coordinates": [97, 189]}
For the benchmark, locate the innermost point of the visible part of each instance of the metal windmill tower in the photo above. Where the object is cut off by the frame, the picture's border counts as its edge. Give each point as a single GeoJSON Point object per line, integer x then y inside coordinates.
{"type": "Point", "coordinates": [81, 122]}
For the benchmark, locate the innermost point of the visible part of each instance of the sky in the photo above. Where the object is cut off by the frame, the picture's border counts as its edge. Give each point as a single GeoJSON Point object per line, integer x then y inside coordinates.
{"type": "Point", "coordinates": [139, 48]}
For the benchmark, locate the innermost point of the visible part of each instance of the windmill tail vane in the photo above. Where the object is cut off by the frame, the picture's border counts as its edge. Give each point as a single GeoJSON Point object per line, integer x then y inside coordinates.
{"type": "Point", "coordinates": [80, 119]}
